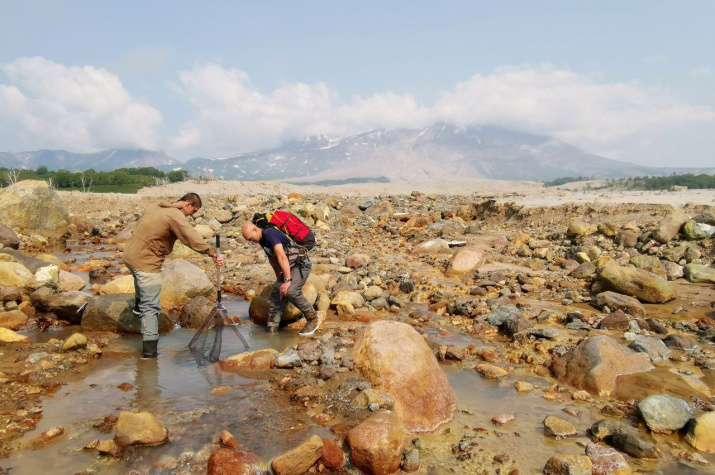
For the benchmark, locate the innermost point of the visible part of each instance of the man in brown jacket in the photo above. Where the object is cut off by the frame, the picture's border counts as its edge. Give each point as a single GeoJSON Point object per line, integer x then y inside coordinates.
{"type": "Point", "coordinates": [152, 240]}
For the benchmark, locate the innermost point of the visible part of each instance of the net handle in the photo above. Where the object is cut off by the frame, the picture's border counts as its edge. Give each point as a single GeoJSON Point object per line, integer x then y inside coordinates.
{"type": "Point", "coordinates": [218, 268]}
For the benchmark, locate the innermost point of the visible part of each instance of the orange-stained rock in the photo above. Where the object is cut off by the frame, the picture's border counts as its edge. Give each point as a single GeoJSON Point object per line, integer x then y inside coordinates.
{"type": "Point", "coordinates": [376, 445]}
{"type": "Point", "coordinates": [299, 459]}
{"type": "Point", "coordinates": [333, 457]}
{"type": "Point", "coordinates": [234, 462]}
{"type": "Point", "coordinates": [398, 362]}
{"type": "Point", "coordinates": [259, 360]}
{"type": "Point", "coordinates": [596, 362]}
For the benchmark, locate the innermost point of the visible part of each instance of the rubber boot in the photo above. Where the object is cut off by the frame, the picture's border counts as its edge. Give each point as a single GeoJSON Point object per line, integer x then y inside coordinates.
{"type": "Point", "coordinates": [149, 348]}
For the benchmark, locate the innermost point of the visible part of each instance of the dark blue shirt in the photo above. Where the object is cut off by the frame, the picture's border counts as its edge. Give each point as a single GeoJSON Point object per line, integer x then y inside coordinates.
{"type": "Point", "coordinates": [270, 238]}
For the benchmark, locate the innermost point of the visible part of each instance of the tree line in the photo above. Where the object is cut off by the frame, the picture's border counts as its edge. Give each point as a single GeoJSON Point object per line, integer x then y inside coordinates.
{"type": "Point", "coordinates": [121, 180]}
{"type": "Point", "coordinates": [690, 180]}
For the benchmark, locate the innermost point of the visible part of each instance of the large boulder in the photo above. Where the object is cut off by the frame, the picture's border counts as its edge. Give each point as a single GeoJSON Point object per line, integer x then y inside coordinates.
{"type": "Point", "coordinates": [66, 306]}
{"type": "Point", "coordinates": [397, 361]}
{"type": "Point", "coordinates": [261, 305]}
{"type": "Point", "coordinates": [377, 444]}
{"type": "Point", "coordinates": [139, 428]}
{"type": "Point", "coordinates": [182, 281]}
{"type": "Point", "coordinates": [32, 207]}
{"type": "Point", "coordinates": [596, 362]}
{"type": "Point", "coordinates": [121, 285]}
{"type": "Point", "coordinates": [697, 231]}
{"type": "Point", "coordinates": [466, 260]}
{"type": "Point", "coordinates": [113, 313]}
{"type": "Point", "coordinates": [700, 273]}
{"type": "Point", "coordinates": [643, 285]}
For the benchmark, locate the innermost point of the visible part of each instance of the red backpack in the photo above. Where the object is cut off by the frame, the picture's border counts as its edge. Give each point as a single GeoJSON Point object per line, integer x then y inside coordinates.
{"type": "Point", "coordinates": [289, 224]}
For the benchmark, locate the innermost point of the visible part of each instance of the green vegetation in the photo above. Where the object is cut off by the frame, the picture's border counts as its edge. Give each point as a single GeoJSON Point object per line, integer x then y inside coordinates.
{"type": "Point", "coordinates": [121, 180]}
{"type": "Point", "coordinates": [347, 181]}
{"type": "Point", "coordinates": [567, 179]}
{"type": "Point", "coordinates": [698, 182]}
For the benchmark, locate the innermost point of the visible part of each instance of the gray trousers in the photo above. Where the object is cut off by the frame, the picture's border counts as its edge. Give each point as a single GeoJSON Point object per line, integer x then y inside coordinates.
{"type": "Point", "coordinates": [147, 287]}
{"type": "Point", "coordinates": [299, 275]}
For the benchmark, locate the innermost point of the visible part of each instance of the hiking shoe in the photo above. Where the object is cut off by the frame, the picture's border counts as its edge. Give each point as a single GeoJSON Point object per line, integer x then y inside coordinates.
{"type": "Point", "coordinates": [271, 327]}
{"type": "Point", "coordinates": [310, 327]}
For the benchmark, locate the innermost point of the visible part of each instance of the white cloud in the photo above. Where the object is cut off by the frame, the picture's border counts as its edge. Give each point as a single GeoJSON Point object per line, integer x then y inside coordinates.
{"type": "Point", "coordinates": [234, 116]}
{"type": "Point", "coordinates": [703, 73]}
{"type": "Point", "coordinates": [50, 105]}
{"type": "Point", "coordinates": [601, 118]}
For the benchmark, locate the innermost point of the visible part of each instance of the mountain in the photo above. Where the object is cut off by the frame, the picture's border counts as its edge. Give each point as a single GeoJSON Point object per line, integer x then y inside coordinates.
{"type": "Point", "coordinates": [441, 152]}
{"type": "Point", "coordinates": [106, 160]}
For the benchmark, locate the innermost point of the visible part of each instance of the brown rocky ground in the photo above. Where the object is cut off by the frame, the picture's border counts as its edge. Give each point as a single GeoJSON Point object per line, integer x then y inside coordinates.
{"type": "Point", "coordinates": [367, 236]}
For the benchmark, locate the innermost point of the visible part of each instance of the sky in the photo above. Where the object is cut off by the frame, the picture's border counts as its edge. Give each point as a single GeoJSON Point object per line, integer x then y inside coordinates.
{"type": "Point", "coordinates": [630, 80]}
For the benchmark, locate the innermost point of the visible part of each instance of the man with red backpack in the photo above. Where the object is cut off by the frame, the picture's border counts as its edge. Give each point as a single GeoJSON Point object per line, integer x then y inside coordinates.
{"type": "Point", "coordinates": [291, 265]}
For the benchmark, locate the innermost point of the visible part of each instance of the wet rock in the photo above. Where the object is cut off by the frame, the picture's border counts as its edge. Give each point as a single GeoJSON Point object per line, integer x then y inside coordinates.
{"type": "Point", "coordinates": [333, 457]}
{"type": "Point", "coordinates": [261, 305]}
{"type": "Point", "coordinates": [515, 324]}
{"type": "Point", "coordinates": [643, 285]}
{"type": "Point", "coordinates": [558, 428]}
{"type": "Point", "coordinates": [678, 342]}
{"type": "Point", "coordinates": [139, 428]}
{"type": "Point", "coordinates": [497, 316]}
{"type": "Point", "coordinates": [701, 432]}
{"type": "Point", "coordinates": [299, 459]}
{"type": "Point", "coordinates": [12, 320]}
{"type": "Point", "coordinates": [523, 387]}
{"type": "Point", "coordinates": [607, 461]}
{"type": "Point", "coordinates": [618, 320]}
{"type": "Point", "coordinates": [562, 464]}
{"type": "Point", "coordinates": [8, 237]}
{"type": "Point", "coordinates": [653, 347]}
{"type": "Point", "coordinates": [68, 306]}
{"type": "Point", "coordinates": [75, 342]}
{"type": "Point", "coordinates": [397, 360]}
{"type": "Point", "coordinates": [181, 281]}
{"type": "Point", "coordinates": [658, 381]}
{"type": "Point", "coordinates": [370, 396]}
{"type": "Point", "coordinates": [34, 208]}
{"type": "Point", "coordinates": [663, 413]}
{"type": "Point", "coordinates": [633, 445]}
{"type": "Point", "coordinates": [596, 362]}
{"type": "Point", "coordinates": [195, 312]}
{"type": "Point", "coordinates": [604, 428]}
{"type": "Point", "coordinates": [288, 359]}
{"type": "Point", "coordinates": [491, 371]}
{"type": "Point", "coordinates": [259, 360]}
{"type": "Point", "coordinates": [377, 444]}
{"type": "Point", "coordinates": [503, 419]}
{"type": "Point", "coordinates": [9, 336]}
{"type": "Point", "coordinates": [466, 260]}
{"type": "Point", "coordinates": [616, 301]}
{"type": "Point", "coordinates": [109, 447]}
{"type": "Point", "coordinates": [234, 462]}
{"type": "Point", "coordinates": [656, 326]}
{"type": "Point", "coordinates": [113, 313]}
{"type": "Point", "coordinates": [699, 273]}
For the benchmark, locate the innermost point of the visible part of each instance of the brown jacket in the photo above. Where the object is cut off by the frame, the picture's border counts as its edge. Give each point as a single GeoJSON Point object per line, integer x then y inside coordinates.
{"type": "Point", "coordinates": [155, 234]}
